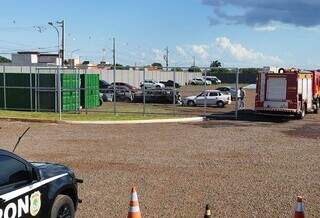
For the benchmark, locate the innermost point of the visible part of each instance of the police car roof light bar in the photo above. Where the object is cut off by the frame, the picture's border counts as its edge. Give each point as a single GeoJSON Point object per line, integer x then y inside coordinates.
{"type": "Point", "coordinates": [19, 139]}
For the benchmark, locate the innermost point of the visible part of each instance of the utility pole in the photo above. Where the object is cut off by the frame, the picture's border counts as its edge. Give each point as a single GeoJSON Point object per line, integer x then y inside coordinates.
{"type": "Point", "coordinates": [104, 55]}
{"type": "Point", "coordinates": [61, 23]}
{"type": "Point", "coordinates": [194, 64]}
{"type": "Point", "coordinates": [166, 58]}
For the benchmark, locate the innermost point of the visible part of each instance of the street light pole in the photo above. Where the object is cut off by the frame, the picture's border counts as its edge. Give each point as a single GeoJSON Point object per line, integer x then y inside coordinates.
{"type": "Point", "coordinates": [71, 53]}
{"type": "Point", "coordinates": [58, 71]}
{"type": "Point", "coordinates": [58, 33]}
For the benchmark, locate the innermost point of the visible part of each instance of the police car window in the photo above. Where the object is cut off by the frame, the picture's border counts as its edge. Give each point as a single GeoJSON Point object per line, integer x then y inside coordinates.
{"type": "Point", "coordinates": [213, 94]}
{"type": "Point", "coordinates": [12, 171]}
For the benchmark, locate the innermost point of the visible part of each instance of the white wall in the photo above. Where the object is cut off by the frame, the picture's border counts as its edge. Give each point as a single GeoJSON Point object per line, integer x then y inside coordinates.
{"type": "Point", "coordinates": [134, 77]}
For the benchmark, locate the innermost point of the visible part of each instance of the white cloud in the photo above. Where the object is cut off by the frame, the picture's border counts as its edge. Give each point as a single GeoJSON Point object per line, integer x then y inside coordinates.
{"type": "Point", "coordinates": [201, 50]}
{"type": "Point", "coordinates": [268, 28]}
{"type": "Point", "coordinates": [241, 53]}
{"type": "Point", "coordinates": [158, 55]}
{"type": "Point", "coordinates": [181, 51]}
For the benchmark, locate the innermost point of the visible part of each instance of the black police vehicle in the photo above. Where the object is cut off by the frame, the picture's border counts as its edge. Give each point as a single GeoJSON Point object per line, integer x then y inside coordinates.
{"type": "Point", "coordinates": [36, 189]}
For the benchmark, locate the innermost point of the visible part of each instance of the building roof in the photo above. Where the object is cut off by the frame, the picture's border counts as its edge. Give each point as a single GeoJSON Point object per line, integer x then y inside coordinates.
{"type": "Point", "coordinates": [52, 55]}
{"type": "Point", "coordinates": [28, 52]}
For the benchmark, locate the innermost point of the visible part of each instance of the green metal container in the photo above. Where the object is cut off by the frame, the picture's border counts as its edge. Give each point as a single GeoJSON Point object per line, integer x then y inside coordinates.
{"type": "Point", "coordinates": [90, 91]}
{"type": "Point", "coordinates": [70, 92]}
{"type": "Point", "coordinates": [37, 92]}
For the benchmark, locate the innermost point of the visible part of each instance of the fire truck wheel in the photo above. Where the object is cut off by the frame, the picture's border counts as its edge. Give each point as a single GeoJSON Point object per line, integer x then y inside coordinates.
{"type": "Point", "coordinates": [63, 207]}
{"type": "Point", "coordinates": [302, 114]}
{"type": "Point", "coordinates": [316, 110]}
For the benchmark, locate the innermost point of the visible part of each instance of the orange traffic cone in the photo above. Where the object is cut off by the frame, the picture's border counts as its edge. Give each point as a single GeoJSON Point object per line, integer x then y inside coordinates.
{"type": "Point", "coordinates": [134, 209]}
{"type": "Point", "coordinates": [299, 209]}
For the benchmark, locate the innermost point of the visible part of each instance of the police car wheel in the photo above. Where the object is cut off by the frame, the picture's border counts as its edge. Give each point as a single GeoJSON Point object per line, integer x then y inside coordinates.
{"type": "Point", "coordinates": [63, 207]}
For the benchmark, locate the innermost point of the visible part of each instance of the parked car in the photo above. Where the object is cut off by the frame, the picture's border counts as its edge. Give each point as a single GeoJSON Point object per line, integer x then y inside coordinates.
{"type": "Point", "coordinates": [170, 83]}
{"type": "Point", "coordinates": [103, 85]}
{"type": "Point", "coordinates": [151, 84]}
{"type": "Point", "coordinates": [30, 189]}
{"type": "Point", "coordinates": [126, 86]}
{"type": "Point", "coordinates": [213, 79]}
{"type": "Point", "coordinates": [122, 94]}
{"type": "Point", "coordinates": [163, 96]}
{"type": "Point", "coordinates": [199, 81]}
{"type": "Point", "coordinates": [229, 90]}
{"type": "Point", "coordinates": [212, 98]}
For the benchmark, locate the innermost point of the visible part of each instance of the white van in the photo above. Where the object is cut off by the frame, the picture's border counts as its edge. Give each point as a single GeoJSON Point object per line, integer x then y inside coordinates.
{"type": "Point", "coordinates": [213, 79]}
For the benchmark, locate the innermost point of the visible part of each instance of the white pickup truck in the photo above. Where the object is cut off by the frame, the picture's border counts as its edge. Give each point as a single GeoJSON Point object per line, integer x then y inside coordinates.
{"type": "Point", "coordinates": [209, 98]}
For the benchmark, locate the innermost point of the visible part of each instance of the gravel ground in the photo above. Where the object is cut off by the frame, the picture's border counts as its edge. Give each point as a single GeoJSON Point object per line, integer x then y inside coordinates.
{"type": "Point", "coordinates": [243, 169]}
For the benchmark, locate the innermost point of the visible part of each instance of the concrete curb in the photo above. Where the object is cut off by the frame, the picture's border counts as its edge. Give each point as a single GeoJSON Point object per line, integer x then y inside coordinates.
{"type": "Point", "coordinates": [31, 120]}
{"type": "Point", "coordinates": [153, 121]}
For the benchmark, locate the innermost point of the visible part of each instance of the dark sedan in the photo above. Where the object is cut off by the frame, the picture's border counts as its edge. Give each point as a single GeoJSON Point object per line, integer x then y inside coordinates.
{"type": "Point", "coordinates": [170, 83]}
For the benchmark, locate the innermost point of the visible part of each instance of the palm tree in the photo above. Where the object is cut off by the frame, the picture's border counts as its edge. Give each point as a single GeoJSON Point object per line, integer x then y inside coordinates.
{"type": "Point", "coordinates": [215, 64]}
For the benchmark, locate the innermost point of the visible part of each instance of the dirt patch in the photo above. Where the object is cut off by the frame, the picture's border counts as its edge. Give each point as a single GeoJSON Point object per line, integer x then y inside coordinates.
{"type": "Point", "coordinates": [219, 124]}
{"type": "Point", "coordinates": [311, 131]}
{"type": "Point", "coordinates": [179, 168]}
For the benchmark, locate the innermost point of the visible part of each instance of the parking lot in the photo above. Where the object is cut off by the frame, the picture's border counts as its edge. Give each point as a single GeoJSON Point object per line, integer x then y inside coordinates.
{"type": "Point", "coordinates": [170, 108]}
{"type": "Point", "coordinates": [243, 169]}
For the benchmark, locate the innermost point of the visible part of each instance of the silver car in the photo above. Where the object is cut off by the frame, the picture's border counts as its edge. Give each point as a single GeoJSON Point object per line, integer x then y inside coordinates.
{"type": "Point", "coordinates": [211, 97]}
{"type": "Point", "coordinates": [231, 91]}
{"type": "Point", "coordinates": [199, 81]}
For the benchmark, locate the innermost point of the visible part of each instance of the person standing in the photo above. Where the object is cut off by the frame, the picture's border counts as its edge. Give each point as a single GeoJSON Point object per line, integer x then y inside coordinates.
{"type": "Point", "coordinates": [242, 98]}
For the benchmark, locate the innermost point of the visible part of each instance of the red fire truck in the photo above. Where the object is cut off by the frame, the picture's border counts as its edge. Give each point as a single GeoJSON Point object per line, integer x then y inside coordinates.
{"type": "Point", "coordinates": [288, 92]}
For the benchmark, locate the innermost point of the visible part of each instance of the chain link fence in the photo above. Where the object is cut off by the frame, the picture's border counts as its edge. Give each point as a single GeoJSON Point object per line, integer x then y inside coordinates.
{"type": "Point", "coordinates": [176, 91]}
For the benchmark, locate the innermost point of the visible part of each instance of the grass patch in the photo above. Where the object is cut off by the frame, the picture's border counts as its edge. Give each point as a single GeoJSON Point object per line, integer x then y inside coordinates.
{"type": "Point", "coordinates": [91, 116]}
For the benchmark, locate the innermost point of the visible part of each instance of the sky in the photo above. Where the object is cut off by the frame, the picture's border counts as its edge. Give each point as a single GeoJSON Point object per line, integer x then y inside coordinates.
{"type": "Point", "coordinates": [245, 33]}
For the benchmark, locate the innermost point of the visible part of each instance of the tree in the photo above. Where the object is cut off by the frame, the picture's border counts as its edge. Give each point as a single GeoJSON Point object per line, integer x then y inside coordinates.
{"type": "Point", "coordinates": [121, 67]}
{"type": "Point", "coordinates": [178, 69]}
{"type": "Point", "coordinates": [217, 71]}
{"type": "Point", "coordinates": [4, 60]}
{"type": "Point", "coordinates": [215, 64]}
{"type": "Point", "coordinates": [157, 65]}
{"type": "Point", "coordinates": [194, 69]}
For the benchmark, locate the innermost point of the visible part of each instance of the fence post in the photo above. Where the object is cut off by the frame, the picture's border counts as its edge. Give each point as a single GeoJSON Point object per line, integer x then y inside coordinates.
{"type": "Point", "coordinates": [144, 91]}
{"type": "Point", "coordinates": [59, 92]}
{"type": "Point", "coordinates": [174, 91]}
{"type": "Point", "coordinates": [4, 88]}
{"type": "Point", "coordinates": [84, 89]}
{"type": "Point", "coordinates": [114, 91]}
{"type": "Point", "coordinates": [237, 90]}
{"type": "Point", "coordinates": [55, 90]}
{"type": "Point", "coordinates": [36, 91]}
{"type": "Point", "coordinates": [205, 96]}
{"type": "Point", "coordinates": [31, 89]}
